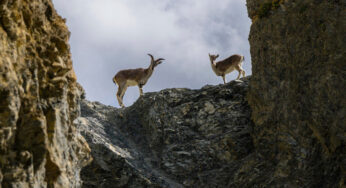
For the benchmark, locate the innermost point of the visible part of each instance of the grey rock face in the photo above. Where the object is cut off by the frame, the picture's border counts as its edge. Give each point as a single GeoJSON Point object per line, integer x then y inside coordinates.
{"type": "Point", "coordinates": [173, 138]}
{"type": "Point", "coordinates": [297, 91]}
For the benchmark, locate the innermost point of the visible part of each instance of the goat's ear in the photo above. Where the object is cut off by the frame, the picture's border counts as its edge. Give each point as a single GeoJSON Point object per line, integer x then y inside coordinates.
{"type": "Point", "coordinates": [217, 55]}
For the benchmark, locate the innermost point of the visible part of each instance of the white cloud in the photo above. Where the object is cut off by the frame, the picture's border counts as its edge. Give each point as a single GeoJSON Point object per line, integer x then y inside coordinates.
{"type": "Point", "coordinates": [110, 35]}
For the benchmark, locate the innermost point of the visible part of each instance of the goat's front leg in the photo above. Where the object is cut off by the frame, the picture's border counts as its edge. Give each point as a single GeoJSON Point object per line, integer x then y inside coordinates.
{"type": "Point", "coordinates": [120, 101]}
{"type": "Point", "coordinates": [224, 79]}
{"type": "Point", "coordinates": [240, 71]}
{"type": "Point", "coordinates": [243, 72]}
{"type": "Point", "coordinates": [120, 95]}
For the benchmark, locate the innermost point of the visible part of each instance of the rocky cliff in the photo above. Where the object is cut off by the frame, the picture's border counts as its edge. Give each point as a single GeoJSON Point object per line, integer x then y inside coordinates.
{"type": "Point", "coordinates": [173, 138]}
{"type": "Point", "coordinates": [39, 145]}
{"type": "Point", "coordinates": [297, 91]}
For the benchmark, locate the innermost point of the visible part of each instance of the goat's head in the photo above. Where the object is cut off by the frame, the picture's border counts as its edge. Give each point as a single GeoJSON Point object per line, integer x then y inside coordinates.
{"type": "Point", "coordinates": [155, 62]}
{"type": "Point", "coordinates": [213, 57]}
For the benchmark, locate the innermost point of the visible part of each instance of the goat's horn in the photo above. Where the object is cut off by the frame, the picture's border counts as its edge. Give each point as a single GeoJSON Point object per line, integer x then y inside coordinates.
{"type": "Point", "coordinates": [152, 58]}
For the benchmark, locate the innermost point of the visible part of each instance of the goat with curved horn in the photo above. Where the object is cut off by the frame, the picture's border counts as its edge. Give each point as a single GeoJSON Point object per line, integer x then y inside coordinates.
{"type": "Point", "coordinates": [134, 77]}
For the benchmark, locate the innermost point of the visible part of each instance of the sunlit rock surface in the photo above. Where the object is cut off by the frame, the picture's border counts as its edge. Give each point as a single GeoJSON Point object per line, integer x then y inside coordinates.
{"type": "Point", "coordinates": [39, 144]}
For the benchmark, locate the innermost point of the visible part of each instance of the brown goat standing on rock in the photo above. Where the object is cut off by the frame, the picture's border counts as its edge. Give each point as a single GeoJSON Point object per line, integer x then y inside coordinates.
{"type": "Point", "coordinates": [228, 65]}
{"type": "Point", "coordinates": [134, 77]}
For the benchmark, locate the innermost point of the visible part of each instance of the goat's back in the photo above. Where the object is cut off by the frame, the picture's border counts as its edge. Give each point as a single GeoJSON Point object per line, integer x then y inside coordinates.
{"type": "Point", "coordinates": [129, 74]}
{"type": "Point", "coordinates": [225, 64]}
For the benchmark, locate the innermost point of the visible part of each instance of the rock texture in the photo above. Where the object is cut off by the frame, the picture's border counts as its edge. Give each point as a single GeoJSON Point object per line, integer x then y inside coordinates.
{"type": "Point", "coordinates": [179, 137]}
{"type": "Point", "coordinates": [297, 91]}
{"type": "Point", "coordinates": [39, 99]}
{"type": "Point", "coordinates": [205, 138]}
{"type": "Point", "coordinates": [173, 138]}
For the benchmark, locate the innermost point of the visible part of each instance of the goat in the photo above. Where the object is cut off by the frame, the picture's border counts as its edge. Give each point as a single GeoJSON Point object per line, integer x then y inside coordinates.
{"type": "Point", "coordinates": [228, 65]}
{"type": "Point", "coordinates": [134, 77]}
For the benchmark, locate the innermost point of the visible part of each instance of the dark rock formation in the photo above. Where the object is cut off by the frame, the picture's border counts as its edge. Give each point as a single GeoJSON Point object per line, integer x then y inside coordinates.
{"type": "Point", "coordinates": [39, 145]}
{"type": "Point", "coordinates": [297, 91]}
{"type": "Point", "coordinates": [173, 138]}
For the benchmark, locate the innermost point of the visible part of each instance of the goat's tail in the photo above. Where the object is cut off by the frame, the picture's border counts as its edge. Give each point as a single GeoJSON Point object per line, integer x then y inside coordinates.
{"type": "Point", "coordinates": [114, 80]}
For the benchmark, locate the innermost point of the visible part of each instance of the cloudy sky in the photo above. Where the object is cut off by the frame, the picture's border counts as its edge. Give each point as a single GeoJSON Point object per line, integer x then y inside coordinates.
{"type": "Point", "coordinates": [110, 35]}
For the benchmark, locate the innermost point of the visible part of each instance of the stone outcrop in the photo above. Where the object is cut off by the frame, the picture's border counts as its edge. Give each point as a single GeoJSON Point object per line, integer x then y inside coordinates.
{"type": "Point", "coordinates": [297, 91]}
{"type": "Point", "coordinates": [173, 138]}
{"type": "Point", "coordinates": [39, 99]}
{"type": "Point", "coordinates": [195, 138]}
